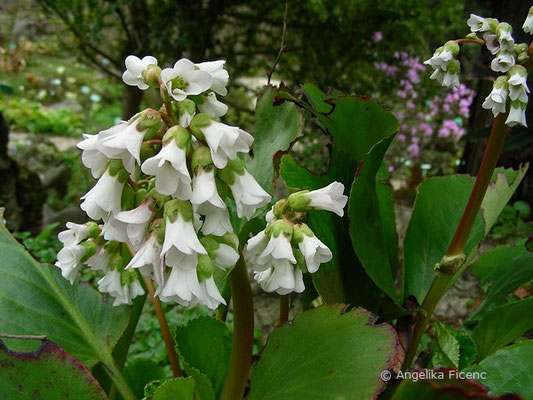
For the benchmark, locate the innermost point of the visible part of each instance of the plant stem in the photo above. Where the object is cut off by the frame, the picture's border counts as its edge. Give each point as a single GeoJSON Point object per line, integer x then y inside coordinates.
{"type": "Point", "coordinates": [456, 248]}
{"type": "Point", "coordinates": [165, 331]}
{"type": "Point", "coordinates": [243, 333]}
{"type": "Point", "coordinates": [118, 381]}
{"type": "Point", "coordinates": [283, 310]}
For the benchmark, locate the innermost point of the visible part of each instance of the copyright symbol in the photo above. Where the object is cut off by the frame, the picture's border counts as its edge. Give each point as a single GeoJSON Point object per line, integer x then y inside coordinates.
{"type": "Point", "coordinates": [385, 376]}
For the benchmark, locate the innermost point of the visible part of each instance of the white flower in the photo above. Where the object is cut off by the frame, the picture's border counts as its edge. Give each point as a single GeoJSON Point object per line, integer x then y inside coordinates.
{"type": "Point", "coordinates": [504, 32]}
{"type": "Point", "coordinates": [518, 89]}
{"type": "Point", "coordinates": [169, 167]}
{"type": "Point", "coordinates": [528, 23]}
{"type": "Point", "coordinates": [219, 75]}
{"type": "Point", "coordinates": [438, 75]}
{"type": "Point", "coordinates": [314, 251]}
{"type": "Point", "coordinates": [123, 142]}
{"type": "Point", "coordinates": [206, 201]}
{"type": "Point", "coordinates": [257, 244]}
{"type": "Point", "coordinates": [495, 101]}
{"type": "Point", "coordinates": [74, 234]}
{"type": "Point", "coordinates": [517, 114]}
{"type": "Point", "coordinates": [184, 287]}
{"type": "Point", "coordinates": [69, 261]}
{"type": "Point", "coordinates": [91, 156]}
{"type": "Point", "coordinates": [100, 260]}
{"type": "Point", "coordinates": [248, 194]}
{"type": "Point", "coordinates": [212, 106]}
{"type": "Point", "coordinates": [330, 198]}
{"type": "Point", "coordinates": [112, 284]}
{"type": "Point", "coordinates": [104, 198]}
{"type": "Point", "coordinates": [451, 79]}
{"type": "Point", "coordinates": [269, 217]}
{"type": "Point", "coordinates": [225, 256]}
{"type": "Point", "coordinates": [502, 62]}
{"type": "Point", "coordinates": [477, 23]}
{"type": "Point", "coordinates": [136, 222]}
{"type": "Point", "coordinates": [225, 142]}
{"type": "Point", "coordinates": [180, 240]}
{"type": "Point", "coordinates": [277, 251]}
{"type": "Point", "coordinates": [282, 279]}
{"type": "Point", "coordinates": [440, 58]}
{"type": "Point", "coordinates": [149, 261]}
{"type": "Point", "coordinates": [184, 79]}
{"type": "Point", "coordinates": [134, 69]}
{"type": "Point", "coordinates": [114, 229]}
{"type": "Point", "coordinates": [492, 43]}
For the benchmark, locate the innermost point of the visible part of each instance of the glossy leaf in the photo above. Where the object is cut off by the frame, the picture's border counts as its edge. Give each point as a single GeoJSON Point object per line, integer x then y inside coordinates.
{"type": "Point", "coordinates": [49, 373]}
{"type": "Point", "coordinates": [506, 268]}
{"type": "Point", "coordinates": [509, 370]}
{"type": "Point", "coordinates": [372, 221]}
{"type": "Point", "coordinates": [325, 353]}
{"type": "Point", "coordinates": [277, 126]}
{"type": "Point", "coordinates": [502, 326]}
{"type": "Point", "coordinates": [36, 300]}
{"type": "Point", "coordinates": [205, 344]}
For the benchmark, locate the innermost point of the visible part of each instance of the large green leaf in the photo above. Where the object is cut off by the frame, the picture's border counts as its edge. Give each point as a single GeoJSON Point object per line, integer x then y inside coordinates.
{"type": "Point", "coordinates": [325, 354]}
{"type": "Point", "coordinates": [355, 124]}
{"type": "Point", "coordinates": [438, 208]}
{"type": "Point", "coordinates": [509, 370]}
{"type": "Point", "coordinates": [205, 344]}
{"type": "Point", "coordinates": [140, 372]}
{"type": "Point", "coordinates": [372, 221]}
{"type": "Point", "coordinates": [277, 126]}
{"type": "Point", "coordinates": [36, 300]}
{"type": "Point", "coordinates": [49, 373]}
{"type": "Point", "coordinates": [506, 268]}
{"type": "Point", "coordinates": [502, 326]}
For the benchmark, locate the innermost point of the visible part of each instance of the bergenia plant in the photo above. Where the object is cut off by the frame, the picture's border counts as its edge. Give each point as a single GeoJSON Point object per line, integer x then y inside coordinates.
{"type": "Point", "coordinates": [186, 209]}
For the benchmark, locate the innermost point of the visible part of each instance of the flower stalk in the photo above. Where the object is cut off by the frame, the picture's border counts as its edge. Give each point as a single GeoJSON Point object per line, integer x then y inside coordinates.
{"type": "Point", "coordinates": [456, 248]}
{"type": "Point", "coordinates": [284, 305]}
{"type": "Point", "coordinates": [243, 333]}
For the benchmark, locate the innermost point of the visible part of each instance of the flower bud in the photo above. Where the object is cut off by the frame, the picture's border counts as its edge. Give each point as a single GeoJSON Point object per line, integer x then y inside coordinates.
{"type": "Point", "coordinates": [205, 267]}
{"type": "Point", "coordinates": [201, 158]}
{"type": "Point", "coordinates": [175, 206]}
{"type": "Point", "coordinates": [452, 47]}
{"type": "Point", "coordinates": [152, 75]}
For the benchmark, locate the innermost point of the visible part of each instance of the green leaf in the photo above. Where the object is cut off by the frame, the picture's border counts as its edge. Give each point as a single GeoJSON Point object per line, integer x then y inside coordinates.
{"type": "Point", "coordinates": [277, 126]}
{"type": "Point", "coordinates": [355, 124]}
{"type": "Point", "coordinates": [442, 201]}
{"type": "Point", "coordinates": [175, 389]}
{"type": "Point", "coordinates": [325, 354]}
{"type": "Point", "coordinates": [36, 300]}
{"type": "Point", "coordinates": [372, 221]}
{"type": "Point", "coordinates": [139, 372]}
{"type": "Point", "coordinates": [438, 208]}
{"type": "Point", "coordinates": [48, 373]}
{"type": "Point", "coordinates": [506, 267]}
{"type": "Point", "coordinates": [509, 370]}
{"type": "Point", "coordinates": [203, 390]}
{"type": "Point", "coordinates": [205, 344]}
{"type": "Point", "coordinates": [502, 326]}
{"type": "Point", "coordinates": [499, 193]}
{"type": "Point", "coordinates": [452, 347]}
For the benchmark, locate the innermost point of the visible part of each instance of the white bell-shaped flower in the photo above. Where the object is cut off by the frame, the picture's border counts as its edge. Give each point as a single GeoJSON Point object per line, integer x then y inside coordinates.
{"type": "Point", "coordinates": [282, 278]}
{"type": "Point", "coordinates": [91, 156]}
{"type": "Point", "coordinates": [69, 261]}
{"type": "Point", "coordinates": [528, 23]}
{"type": "Point", "coordinates": [502, 62]}
{"type": "Point", "coordinates": [518, 88]}
{"type": "Point", "coordinates": [74, 234]}
{"type": "Point", "coordinates": [219, 75]}
{"type": "Point", "coordinates": [104, 199]}
{"type": "Point", "coordinates": [314, 251]}
{"type": "Point", "coordinates": [148, 260]}
{"type": "Point", "coordinates": [477, 23]}
{"type": "Point", "coordinates": [517, 114]}
{"type": "Point", "coordinates": [212, 106]}
{"type": "Point", "coordinates": [136, 222]}
{"type": "Point", "coordinates": [497, 98]}
{"type": "Point", "coordinates": [248, 194]}
{"type": "Point", "coordinates": [169, 167]}
{"type": "Point", "coordinates": [100, 260]}
{"type": "Point", "coordinates": [504, 32]}
{"type": "Point", "coordinates": [183, 79]}
{"type": "Point", "coordinates": [278, 248]}
{"type": "Point", "coordinates": [329, 198]}
{"type": "Point", "coordinates": [134, 70]}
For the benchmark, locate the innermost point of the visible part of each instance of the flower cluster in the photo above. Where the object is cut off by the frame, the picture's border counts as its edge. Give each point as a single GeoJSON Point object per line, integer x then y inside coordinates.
{"type": "Point", "coordinates": [287, 247]}
{"type": "Point", "coordinates": [508, 57]}
{"type": "Point", "coordinates": [164, 178]}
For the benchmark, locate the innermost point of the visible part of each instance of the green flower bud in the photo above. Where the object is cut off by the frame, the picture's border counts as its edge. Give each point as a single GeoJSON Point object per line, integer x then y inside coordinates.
{"type": "Point", "coordinates": [151, 75]}
{"type": "Point", "coordinates": [149, 119]}
{"type": "Point", "coordinates": [205, 267]}
{"type": "Point", "coordinates": [493, 24]}
{"type": "Point", "coordinates": [280, 208]}
{"type": "Point", "coordinates": [299, 201]}
{"type": "Point", "coordinates": [201, 158]}
{"type": "Point", "coordinates": [140, 196]}
{"type": "Point", "coordinates": [90, 249]}
{"type": "Point", "coordinates": [452, 47]}
{"type": "Point", "coordinates": [94, 230]}
{"type": "Point", "coordinates": [175, 206]}
{"type": "Point", "coordinates": [199, 121]}
{"type": "Point", "coordinates": [282, 227]}
{"type": "Point", "coordinates": [471, 35]}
